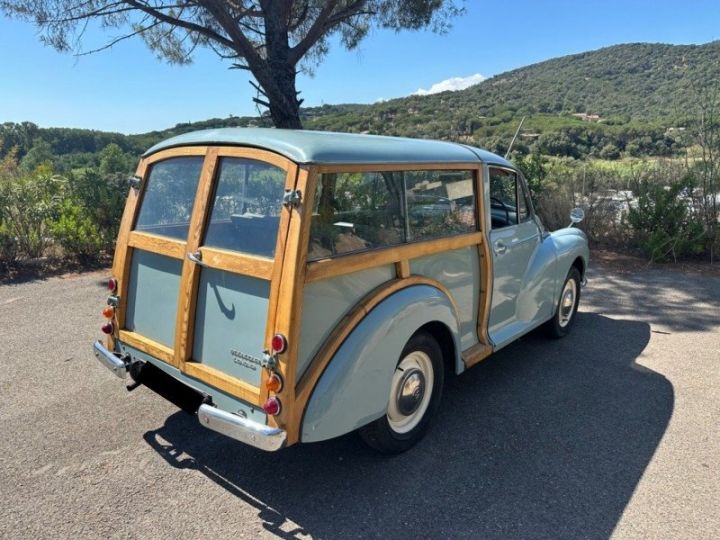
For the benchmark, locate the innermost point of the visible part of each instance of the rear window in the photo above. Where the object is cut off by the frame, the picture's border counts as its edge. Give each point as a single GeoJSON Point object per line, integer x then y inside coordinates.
{"type": "Point", "coordinates": [169, 197]}
{"type": "Point", "coordinates": [246, 207]}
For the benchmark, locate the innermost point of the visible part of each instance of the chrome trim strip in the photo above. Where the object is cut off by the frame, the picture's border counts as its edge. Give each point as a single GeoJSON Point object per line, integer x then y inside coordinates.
{"type": "Point", "coordinates": [241, 429]}
{"type": "Point", "coordinates": [110, 360]}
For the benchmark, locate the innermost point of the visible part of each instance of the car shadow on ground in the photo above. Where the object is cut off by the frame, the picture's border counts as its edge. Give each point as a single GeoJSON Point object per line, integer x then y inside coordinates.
{"type": "Point", "coordinates": [544, 439]}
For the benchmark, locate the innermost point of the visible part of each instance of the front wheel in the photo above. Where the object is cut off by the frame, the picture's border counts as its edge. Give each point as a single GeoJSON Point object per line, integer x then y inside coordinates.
{"type": "Point", "coordinates": [415, 392]}
{"type": "Point", "coordinates": [561, 323]}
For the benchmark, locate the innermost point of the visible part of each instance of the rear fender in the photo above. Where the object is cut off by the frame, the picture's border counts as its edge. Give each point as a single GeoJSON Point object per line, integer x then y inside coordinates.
{"type": "Point", "coordinates": [354, 388]}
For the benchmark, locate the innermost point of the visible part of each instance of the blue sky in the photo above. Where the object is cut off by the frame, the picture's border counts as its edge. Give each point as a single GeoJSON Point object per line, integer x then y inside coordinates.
{"type": "Point", "coordinates": [126, 89]}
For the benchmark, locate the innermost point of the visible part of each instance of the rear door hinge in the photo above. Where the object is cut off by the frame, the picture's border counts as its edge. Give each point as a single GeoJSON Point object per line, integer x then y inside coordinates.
{"type": "Point", "coordinates": [135, 182]}
{"type": "Point", "coordinates": [292, 198]}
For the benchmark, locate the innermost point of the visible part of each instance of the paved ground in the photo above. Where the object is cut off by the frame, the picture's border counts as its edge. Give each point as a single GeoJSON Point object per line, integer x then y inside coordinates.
{"type": "Point", "coordinates": [611, 431]}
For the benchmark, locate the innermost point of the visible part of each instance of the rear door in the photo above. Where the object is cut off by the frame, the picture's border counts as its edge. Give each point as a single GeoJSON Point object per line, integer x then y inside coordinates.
{"type": "Point", "coordinates": [207, 240]}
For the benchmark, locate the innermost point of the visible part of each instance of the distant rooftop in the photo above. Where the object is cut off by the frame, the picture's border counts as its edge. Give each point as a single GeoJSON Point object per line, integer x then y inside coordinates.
{"type": "Point", "coordinates": [324, 147]}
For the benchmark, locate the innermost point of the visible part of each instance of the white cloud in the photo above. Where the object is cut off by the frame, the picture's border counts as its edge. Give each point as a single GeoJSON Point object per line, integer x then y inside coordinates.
{"type": "Point", "coordinates": [452, 84]}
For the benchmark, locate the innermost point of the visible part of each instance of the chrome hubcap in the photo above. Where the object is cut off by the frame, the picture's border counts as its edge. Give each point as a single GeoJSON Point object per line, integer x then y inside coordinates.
{"type": "Point", "coordinates": [410, 391]}
{"type": "Point", "coordinates": [567, 303]}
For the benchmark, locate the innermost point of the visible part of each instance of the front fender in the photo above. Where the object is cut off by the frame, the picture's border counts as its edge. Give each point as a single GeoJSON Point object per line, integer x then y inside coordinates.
{"type": "Point", "coordinates": [355, 386]}
{"type": "Point", "coordinates": [570, 244]}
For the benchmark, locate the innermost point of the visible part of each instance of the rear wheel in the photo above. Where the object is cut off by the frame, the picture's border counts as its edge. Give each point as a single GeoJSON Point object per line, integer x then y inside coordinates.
{"type": "Point", "coordinates": [564, 317]}
{"type": "Point", "coordinates": [415, 392]}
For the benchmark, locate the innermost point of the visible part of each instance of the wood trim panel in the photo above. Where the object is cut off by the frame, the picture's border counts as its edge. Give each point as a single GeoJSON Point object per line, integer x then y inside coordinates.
{"type": "Point", "coordinates": [289, 310]}
{"type": "Point", "coordinates": [223, 381]}
{"type": "Point", "coordinates": [148, 346]}
{"type": "Point", "coordinates": [281, 247]}
{"type": "Point", "coordinates": [154, 243]}
{"type": "Point", "coordinates": [123, 252]}
{"type": "Point", "coordinates": [185, 317]}
{"type": "Point", "coordinates": [337, 337]}
{"type": "Point", "coordinates": [402, 268]}
{"type": "Point", "coordinates": [256, 153]}
{"type": "Point", "coordinates": [379, 167]}
{"type": "Point", "coordinates": [180, 151]}
{"type": "Point", "coordinates": [231, 261]}
{"type": "Point", "coordinates": [486, 268]}
{"type": "Point", "coordinates": [476, 353]}
{"type": "Point", "coordinates": [346, 264]}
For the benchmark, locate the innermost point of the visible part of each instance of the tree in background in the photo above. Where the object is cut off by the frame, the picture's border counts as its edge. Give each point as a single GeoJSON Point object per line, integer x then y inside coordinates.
{"type": "Point", "coordinates": [40, 154]}
{"type": "Point", "coordinates": [272, 39]}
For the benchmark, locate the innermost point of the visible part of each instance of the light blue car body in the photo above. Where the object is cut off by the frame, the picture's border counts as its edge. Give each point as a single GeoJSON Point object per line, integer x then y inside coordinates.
{"type": "Point", "coordinates": [529, 267]}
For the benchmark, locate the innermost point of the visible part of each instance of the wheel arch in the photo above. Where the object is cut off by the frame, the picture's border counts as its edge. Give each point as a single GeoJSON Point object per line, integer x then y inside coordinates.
{"type": "Point", "coordinates": [353, 387]}
{"type": "Point", "coordinates": [444, 336]}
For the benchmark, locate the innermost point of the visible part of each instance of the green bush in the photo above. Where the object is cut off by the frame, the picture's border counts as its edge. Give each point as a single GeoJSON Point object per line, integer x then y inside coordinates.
{"type": "Point", "coordinates": [30, 202]}
{"type": "Point", "coordinates": [102, 198]}
{"type": "Point", "coordinates": [8, 247]}
{"type": "Point", "coordinates": [75, 231]}
{"type": "Point", "coordinates": [663, 223]}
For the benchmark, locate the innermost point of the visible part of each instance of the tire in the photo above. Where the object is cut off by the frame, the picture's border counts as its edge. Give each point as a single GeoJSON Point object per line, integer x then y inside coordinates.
{"type": "Point", "coordinates": [408, 415]}
{"type": "Point", "coordinates": [567, 306]}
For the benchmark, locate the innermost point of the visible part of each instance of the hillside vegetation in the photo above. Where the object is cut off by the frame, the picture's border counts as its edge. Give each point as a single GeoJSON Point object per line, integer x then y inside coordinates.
{"type": "Point", "coordinates": [640, 93]}
{"type": "Point", "coordinates": [59, 187]}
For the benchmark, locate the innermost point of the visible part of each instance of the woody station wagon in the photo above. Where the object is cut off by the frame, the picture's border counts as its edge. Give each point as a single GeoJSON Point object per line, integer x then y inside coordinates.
{"type": "Point", "coordinates": [293, 286]}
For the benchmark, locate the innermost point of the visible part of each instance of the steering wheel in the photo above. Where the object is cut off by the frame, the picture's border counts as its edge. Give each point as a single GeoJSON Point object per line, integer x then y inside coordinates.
{"type": "Point", "coordinates": [501, 204]}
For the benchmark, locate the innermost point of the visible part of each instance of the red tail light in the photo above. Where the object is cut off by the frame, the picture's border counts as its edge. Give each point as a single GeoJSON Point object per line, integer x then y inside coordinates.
{"type": "Point", "coordinates": [112, 285]}
{"type": "Point", "coordinates": [272, 406]}
{"type": "Point", "coordinates": [278, 343]}
{"type": "Point", "coordinates": [107, 328]}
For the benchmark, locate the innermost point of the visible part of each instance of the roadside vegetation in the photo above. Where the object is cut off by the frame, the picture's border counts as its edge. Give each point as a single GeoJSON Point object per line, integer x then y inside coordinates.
{"type": "Point", "coordinates": [50, 214]}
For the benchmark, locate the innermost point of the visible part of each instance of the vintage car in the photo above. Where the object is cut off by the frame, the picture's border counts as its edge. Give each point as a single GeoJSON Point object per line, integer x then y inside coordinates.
{"type": "Point", "coordinates": [293, 286]}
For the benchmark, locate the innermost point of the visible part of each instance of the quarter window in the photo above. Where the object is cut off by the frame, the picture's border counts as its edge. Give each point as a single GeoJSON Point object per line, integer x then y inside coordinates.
{"type": "Point", "coordinates": [440, 203]}
{"type": "Point", "coordinates": [169, 196]}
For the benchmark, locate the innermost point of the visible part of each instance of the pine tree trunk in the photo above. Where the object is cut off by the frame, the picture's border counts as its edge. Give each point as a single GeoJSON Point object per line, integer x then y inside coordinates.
{"type": "Point", "coordinates": [280, 90]}
{"type": "Point", "coordinates": [285, 107]}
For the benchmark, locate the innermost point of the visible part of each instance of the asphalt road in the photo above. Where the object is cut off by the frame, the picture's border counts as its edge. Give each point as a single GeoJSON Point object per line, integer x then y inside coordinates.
{"type": "Point", "coordinates": [614, 430]}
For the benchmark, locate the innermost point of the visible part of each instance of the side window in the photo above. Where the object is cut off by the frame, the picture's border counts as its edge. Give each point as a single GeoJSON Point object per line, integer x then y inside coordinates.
{"type": "Point", "coordinates": [361, 211]}
{"type": "Point", "coordinates": [355, 212]}
{"type": "Point", "coordinates": [503, 198]}
{"type": "Point", "coordinates": [246, 207]}
{"type": "Point", "coordinates": [169, 197]}
{"type": "Point", "coordinates": [440, 203]}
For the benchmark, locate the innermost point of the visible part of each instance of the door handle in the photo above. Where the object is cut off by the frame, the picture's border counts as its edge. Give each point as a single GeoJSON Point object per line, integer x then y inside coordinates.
{"type": "Point", "coordinates": [499, 248]}
{"type": "Point", "coordinates": [196, 258]}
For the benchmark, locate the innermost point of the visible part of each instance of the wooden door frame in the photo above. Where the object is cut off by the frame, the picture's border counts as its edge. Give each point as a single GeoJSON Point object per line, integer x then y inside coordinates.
{"type": "Point", "coordinates": [263, 268]}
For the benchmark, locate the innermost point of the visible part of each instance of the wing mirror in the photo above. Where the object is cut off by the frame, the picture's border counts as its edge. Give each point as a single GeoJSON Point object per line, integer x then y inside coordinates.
{"type": "Point", "coordinates": [576, 216]}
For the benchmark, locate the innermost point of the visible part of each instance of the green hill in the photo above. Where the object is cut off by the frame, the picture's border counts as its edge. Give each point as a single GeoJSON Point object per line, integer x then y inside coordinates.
{"type": "Point", "coordinates": [621, 100]}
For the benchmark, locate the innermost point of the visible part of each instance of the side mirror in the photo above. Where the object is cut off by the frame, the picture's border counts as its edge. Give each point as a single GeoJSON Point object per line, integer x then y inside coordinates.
{"type": "Point", "coordinates": [576, 216]}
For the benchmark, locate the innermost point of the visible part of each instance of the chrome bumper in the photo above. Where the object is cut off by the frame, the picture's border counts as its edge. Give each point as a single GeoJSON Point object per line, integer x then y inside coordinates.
{"type": "Point", "coordinates": [110, 360]}
{"type": "Point", "coordinates": [241, 429]}
{"type": "Point", "coordinates": [233, 426]}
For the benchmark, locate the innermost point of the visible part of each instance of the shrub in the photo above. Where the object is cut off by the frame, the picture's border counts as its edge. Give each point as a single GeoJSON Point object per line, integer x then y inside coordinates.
{"type": "Point", "coordinates": [663, 223]}
{"type": "Point", "coordinates": [102, 198]}
{"type": "Point", "coordinates": [30, 202]}
{"type": "Point", "coordinates": [76, 232]}
{"type": "Point", "coordinates": [8, 247]}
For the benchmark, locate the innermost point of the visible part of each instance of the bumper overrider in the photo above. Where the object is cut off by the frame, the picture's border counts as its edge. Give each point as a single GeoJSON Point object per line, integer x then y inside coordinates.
{"type": "Point", "coordinates": [190, 400]}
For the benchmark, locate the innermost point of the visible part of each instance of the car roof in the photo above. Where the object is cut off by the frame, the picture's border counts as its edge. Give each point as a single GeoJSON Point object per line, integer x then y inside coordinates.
{"type": "Point", "coordinates": [324, 147]}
